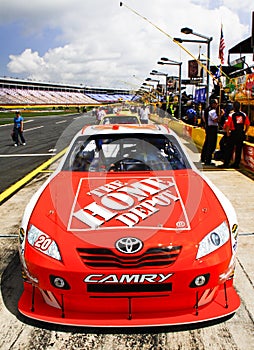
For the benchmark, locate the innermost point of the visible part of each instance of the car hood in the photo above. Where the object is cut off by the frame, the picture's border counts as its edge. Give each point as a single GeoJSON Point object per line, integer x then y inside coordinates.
{"type": "Point", "coordinates": [89, 202]}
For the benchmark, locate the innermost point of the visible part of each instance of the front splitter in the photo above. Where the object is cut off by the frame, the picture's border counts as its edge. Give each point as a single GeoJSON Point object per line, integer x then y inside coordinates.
{"type": "Point", "coordinates": [42, 312]}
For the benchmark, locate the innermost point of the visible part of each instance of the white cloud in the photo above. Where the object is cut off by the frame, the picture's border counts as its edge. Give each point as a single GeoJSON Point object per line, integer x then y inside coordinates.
{"type": "Point", "coordinates": [27, 61]}
{"type": "Point", "coordinates": [235, 5]}
{"type": "Point", "coordinates": [105, 44]}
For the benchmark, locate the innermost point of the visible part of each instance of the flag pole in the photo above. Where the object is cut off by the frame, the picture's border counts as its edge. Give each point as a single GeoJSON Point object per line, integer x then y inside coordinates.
{"type": "Point", "coordinates": [221, 57]}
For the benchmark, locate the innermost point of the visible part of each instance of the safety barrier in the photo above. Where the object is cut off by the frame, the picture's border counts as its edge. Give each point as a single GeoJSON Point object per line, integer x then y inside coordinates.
{"type": "Point", "coordinates": [197, 134]}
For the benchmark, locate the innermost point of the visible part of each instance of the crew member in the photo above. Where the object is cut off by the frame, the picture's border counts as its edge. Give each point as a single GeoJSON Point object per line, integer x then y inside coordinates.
{"type": "Point", "coordinates": [214, 116]}
{"type": "Point", "coordinates": [236, 128]}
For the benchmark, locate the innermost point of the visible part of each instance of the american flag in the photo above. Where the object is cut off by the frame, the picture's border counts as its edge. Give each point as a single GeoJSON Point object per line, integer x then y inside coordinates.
{"type": "Point", "coordinates": [221, 47]}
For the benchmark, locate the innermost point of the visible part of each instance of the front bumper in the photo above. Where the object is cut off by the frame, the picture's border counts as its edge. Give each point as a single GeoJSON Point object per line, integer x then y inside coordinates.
{"type": "Point", "coordinates": [127, 310]}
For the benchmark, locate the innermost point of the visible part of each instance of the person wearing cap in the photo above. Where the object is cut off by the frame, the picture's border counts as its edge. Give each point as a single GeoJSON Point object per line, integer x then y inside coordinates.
{"type": "Point", "coordinates": [18, 129]}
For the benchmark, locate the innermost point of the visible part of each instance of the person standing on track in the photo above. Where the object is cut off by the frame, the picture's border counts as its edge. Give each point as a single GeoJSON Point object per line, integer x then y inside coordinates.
{"type": "Point", "coordinates": [236, 127]}
{"type": "Point", "coordinates": [18, 129]}
{"type": "Point", "coordinates": [144, 114]}
{"type": "Point", "coordinates": [213, 104]}
{"type": "Point", "coordinates": [212, 118]}
{"type": "Point", "coordinates": [100, 114]}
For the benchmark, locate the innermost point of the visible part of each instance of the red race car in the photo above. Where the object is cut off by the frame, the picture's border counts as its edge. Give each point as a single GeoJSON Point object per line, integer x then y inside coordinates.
{"type": "Point", "coordinates": [128, 232]}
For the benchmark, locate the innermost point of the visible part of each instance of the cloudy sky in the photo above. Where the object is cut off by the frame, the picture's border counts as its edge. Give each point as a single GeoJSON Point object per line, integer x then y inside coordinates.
{"type": "Point", "coordinates": [100, 44]}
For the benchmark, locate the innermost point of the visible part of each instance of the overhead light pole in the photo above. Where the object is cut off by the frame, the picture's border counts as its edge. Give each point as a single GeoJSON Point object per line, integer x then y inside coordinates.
{"type": "Point", "coordinates": [153, 80]}
{"type": "Point", "coordinates": [149, 88]}
{"type": "Point", "coordinates": [157, 83]}
{"type": "Point", "coordinates": [167, 61]}
{"type": "Point", "coordinates": [155, 72]}
{"type": "Point", "coordinates": [207, 40]}
{"type": "Point", "coordinates": [146, 84]}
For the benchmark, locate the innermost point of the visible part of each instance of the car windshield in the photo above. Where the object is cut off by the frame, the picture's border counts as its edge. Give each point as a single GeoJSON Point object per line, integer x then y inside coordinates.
{"type": "Point", "coordinates": [128, 119]}
{"type": "Point", "coordinates": [125, 152]}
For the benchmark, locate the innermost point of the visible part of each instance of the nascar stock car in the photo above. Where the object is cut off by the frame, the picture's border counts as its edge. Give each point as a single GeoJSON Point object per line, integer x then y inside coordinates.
{"type": "Point", "coordinates": [128, 232]}
{"type": "Point", "coordinates": [120, 119]}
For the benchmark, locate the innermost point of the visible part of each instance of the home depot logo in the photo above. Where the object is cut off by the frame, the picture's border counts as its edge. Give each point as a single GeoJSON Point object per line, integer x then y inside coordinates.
{"type": "Point", "coordinates": [146, 202]}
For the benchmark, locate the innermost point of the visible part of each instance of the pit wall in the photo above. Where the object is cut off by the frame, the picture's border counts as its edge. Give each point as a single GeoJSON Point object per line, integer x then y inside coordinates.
{"type": "Point", "coordinates": [197, 134]}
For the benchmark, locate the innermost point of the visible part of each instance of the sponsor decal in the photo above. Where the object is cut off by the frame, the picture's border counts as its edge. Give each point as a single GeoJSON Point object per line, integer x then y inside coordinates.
{"type": "Point", "coordinates": [125, 278]}
{"type": "Point", "coordinates": [248, 154]}
{"type": "Point", "coordinates": [234, 228]}
{"type": "Point", "coordinates": [235, 245]}
{"type": "Point", "coordinates": [147, 202]}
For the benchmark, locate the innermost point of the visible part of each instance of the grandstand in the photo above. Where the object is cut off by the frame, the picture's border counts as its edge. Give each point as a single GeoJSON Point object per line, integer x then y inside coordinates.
{"type": "Point", "coordinates": [28, 93]}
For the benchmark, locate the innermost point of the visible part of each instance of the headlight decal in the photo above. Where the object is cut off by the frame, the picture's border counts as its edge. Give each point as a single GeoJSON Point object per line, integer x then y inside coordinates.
{"type": "Point", "coordinates": [213, 240]}
{"type": "Point", "coordinates": [21, 241]}
{"type": "Point", "coordinates": [235, 231]}
{"type": "Point", "coordinates": [42, 242]}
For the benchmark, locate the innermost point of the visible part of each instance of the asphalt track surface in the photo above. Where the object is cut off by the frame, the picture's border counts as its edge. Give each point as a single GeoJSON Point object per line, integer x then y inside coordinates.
{"type": "Point", "coordinates": [236, 333]}
{"type": "Point", "coordinates": [45, 136]}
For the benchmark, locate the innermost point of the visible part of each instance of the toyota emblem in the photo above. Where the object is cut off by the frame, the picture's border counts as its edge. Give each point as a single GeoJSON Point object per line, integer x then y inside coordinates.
{"type": "Point", "coordinates": [129, 245]}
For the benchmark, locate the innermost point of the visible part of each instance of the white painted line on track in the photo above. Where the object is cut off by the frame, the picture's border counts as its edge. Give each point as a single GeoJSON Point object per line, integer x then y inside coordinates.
{"type": "Point", "coordinates": [26, 121]}
{"type": "Point", "coordinates": [62, 121]}
{"type": "Point", "coordinates": [36, 127]}
{"type": "Point", "coordinates": [26, 155]}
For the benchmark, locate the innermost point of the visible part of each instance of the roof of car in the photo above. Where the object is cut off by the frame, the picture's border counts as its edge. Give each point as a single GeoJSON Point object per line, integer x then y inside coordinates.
{"type": "Point", "coordinates": [125, 128]}
{"type": "Point", "coordinates": [121, 117]}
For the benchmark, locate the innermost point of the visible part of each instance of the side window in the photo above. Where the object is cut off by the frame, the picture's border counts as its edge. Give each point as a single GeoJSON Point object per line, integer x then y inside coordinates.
{"type": "Point", "coordinates": [83, 156]}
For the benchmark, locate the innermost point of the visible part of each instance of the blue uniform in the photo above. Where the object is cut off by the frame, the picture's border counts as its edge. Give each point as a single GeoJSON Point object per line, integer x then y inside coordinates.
{"type": "Point", "coordinates": [17, 121]}
{"type": "Point", "coordinates": [18, 130]}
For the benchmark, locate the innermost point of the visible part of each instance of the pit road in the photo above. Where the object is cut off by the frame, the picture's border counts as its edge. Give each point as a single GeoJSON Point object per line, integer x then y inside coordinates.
{"type": "Point", "coordinates": [236, 333]}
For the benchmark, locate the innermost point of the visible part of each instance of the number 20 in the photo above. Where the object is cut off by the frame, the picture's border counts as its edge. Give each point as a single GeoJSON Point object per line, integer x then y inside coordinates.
{"type": "Point", "coordinates": [43, 242]}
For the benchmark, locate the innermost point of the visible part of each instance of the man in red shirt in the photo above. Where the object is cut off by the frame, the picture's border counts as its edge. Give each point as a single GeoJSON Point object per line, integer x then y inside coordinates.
{"type": "Point", "coordinates": [236, 128]}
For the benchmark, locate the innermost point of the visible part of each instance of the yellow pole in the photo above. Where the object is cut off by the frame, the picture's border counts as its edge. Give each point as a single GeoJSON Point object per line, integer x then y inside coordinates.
{"type": "Point", "coordinates": [170, 37]}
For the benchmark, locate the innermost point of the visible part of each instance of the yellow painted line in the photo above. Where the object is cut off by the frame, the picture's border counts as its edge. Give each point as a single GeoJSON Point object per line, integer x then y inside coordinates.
{"type": "Point", "coordinates": [14, 188]}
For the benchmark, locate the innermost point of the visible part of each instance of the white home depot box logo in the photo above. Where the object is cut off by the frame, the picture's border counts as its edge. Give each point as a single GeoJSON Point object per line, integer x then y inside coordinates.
{"type": "Point", "coordinates": [147, 202]}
